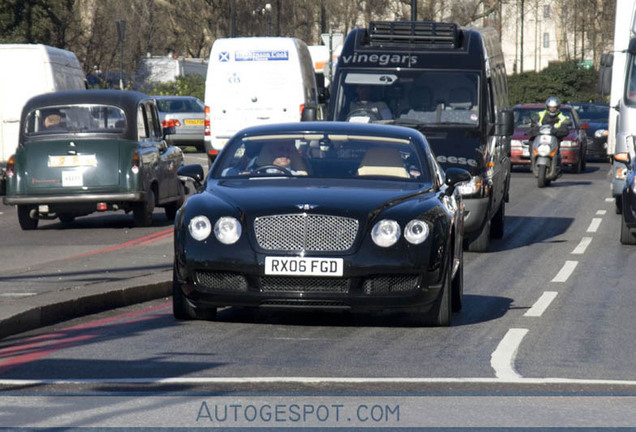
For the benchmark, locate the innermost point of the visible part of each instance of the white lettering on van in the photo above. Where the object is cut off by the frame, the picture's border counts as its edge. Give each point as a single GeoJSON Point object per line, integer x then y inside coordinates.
{"type": "Point", "coordinates": [379, 59]}
{"type": "Point", "coordinates": [456, 160]}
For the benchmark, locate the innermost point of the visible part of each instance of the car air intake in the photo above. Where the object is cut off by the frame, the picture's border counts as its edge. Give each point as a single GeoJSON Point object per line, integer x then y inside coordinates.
{"type": "Point", "coordinates": [422, 34]}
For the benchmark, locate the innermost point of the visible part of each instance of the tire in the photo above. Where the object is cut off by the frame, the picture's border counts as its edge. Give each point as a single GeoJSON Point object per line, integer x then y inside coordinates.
{"type": "Point", "coordinates": [627, 237]}
{"type": "Point", "coordinates": [618, 204]}
{"type": "Point", "coordinates": [482, 242]}
{"type": "Point", "coordinates": [172, 208]}
{"type": "Point", "coordinates": [26, 222]}
{"type": "Point", "coordinates": [182, 309]}
{"type": "Point", "coordinates": [457, 286]}
{"type": "Point", "coordinates": [578, 167]}
{"type": "Point", "coordinates": [441, 313]}
{"type": "Point", "coordinates": [142, 211]}
{"type": "Point", "coordinates": [498, 222]}
{"type": "Point", "coordinates": [541, 181]}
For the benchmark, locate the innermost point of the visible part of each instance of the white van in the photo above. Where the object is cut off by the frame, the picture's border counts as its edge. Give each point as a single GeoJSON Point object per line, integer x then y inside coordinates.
{"type": "Point", "coordinates": [28, 70]}
{"type": "Point", "coordinates": [256, 80]}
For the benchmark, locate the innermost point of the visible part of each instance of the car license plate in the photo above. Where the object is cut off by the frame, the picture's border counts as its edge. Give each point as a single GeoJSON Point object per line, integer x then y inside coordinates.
{"type": "Point", "coordinates": [72, 178]}
{"type": "Point", "coordinates": [72, 160]}
{"type": "Point", "coordinates": [297, 266]}
{"type": "Point", "coordinates": [194, 122]}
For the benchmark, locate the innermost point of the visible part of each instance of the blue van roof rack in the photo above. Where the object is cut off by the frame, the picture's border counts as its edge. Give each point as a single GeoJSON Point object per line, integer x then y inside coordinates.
{"type": "Point", "coordinates": [414, 33]}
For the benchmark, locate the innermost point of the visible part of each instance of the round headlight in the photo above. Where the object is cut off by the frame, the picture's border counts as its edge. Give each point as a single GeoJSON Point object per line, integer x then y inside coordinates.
{"type": "Point", "coordinates": [200, 227]}
{"type": "Point", "coordinates": [385, 233]}
{"type": "Point", "coordinates": [544, 150]}
{"type": "Point", "coordinates": [227, 230]}
{"type": "Point", "coordinates": [416, 231]}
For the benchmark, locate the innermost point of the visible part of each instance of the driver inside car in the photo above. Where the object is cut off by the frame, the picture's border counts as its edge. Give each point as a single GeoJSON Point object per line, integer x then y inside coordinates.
{"type": "Point", "coordinates": [280, 158]}
{"type": "Point", "coordinates": [365, 107]}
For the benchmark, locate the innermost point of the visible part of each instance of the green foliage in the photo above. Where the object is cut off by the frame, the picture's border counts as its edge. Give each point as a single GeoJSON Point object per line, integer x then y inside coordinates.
{"type": "Point", "coordinates": [565, 80]}
{"type": "Point", "coordinates": [188, 85]}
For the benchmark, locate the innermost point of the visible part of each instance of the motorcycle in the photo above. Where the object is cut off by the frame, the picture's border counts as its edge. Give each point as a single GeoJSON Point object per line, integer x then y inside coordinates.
{"type": "Point", "coordinates": [546, 158]}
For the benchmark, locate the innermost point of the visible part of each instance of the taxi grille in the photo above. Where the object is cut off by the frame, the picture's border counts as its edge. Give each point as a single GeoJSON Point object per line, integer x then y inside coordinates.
{"type": "Point", "coordinates": [305, 284]}
{"type": "Point", "coordinates": [303, 232]}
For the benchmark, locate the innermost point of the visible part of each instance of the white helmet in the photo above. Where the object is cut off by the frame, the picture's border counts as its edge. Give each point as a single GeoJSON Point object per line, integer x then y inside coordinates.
{"type": "Point", "coordinates": [553, 102]}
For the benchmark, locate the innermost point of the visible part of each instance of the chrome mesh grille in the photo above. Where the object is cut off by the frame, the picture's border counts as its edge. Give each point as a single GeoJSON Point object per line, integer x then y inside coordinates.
{"type": "Point", "coordinates": [305, 284]}
{"type": "Point", "coordinates": [220, 281]}
{"type": "Point", "coordinates": [298, 232]}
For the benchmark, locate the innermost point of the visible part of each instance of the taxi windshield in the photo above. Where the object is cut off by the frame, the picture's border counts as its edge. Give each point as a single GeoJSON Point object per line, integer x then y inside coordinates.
{"type": "Point", "coordinates": [65, 119]}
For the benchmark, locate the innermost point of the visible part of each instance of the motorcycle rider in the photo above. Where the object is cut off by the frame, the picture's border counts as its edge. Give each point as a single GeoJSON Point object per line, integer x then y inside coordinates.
{"type": "Point", "coordinates": [552, 116]}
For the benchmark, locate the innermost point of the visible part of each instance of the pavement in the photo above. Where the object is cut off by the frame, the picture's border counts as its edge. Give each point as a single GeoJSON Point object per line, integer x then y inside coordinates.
{"type": "Point", "coordinates": [22, 314]}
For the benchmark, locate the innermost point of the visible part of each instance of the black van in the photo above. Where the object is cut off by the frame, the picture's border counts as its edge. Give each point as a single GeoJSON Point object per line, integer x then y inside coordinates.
{"type": "Point", "coordinates": [450, 83]}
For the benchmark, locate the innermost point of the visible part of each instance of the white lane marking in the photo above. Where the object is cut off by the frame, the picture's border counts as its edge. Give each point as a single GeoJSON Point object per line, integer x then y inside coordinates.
{"type": "Point", "coordinates": [305, 380]}
{"type": "Point", "coordinates": [609, 199]}
{"type": "Point", "coordinates": [580, 249]}
{"type": "Point", "coordinates": [601, 212]}
{"type": "Point", "coordinates": [24, 294]}
{"type": "Point", "coordinates": [503, 358]}
{"type": "Point", "coordinates": [541, 305]}
{"type": "Point", "coordinates": [596, 222]}
{"type": "Point", "coordinates": [565, 271]}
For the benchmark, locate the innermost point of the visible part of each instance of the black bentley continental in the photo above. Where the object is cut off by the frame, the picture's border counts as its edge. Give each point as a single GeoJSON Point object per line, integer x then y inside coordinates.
{"type": "Point", "coordinates": [89, 151]}
{"type": "Point", "coordinates": [322, 215]}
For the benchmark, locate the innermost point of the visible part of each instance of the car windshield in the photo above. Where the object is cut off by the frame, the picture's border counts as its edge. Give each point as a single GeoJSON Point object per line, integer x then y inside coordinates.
{"type": "Point", "coordinates": [65, 119]}
{"type": "Point", "coordinates": [322, 155]}
{"type": "Point", "coordinates": [524, 117]}
{"type": "Point", "coordinates": [180, 105]}
{"type": "Point", "coordinates": [409, 97]}
{"type": "Point", "coordinates": [596, 113]}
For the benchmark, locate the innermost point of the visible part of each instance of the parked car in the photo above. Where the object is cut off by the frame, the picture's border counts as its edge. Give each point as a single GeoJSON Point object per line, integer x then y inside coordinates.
{"type": "Point", "coordinates": [322, 214]}
{"type": "Point", "coordinates": [596, 116]}
{"type": "Point", "coordinates": [185, 114]}
{"type": "Point", "coordinates": [573, 147]}
{"type": "Point", "coordinates": [628, 207]}
{"type": "Point", "coordinates": [85, 162]}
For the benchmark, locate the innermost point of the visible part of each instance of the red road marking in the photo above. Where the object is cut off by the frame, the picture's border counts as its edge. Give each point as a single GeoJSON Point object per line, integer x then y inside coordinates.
{"type": "Point", "coordinates": [141, 241]}
{"type": "Point", "coordinates": [41, 346]}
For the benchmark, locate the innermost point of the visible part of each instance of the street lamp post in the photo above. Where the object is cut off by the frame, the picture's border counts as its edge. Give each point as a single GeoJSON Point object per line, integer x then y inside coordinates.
{"type": "Point", "coordinates": [268, 12]}
{"type": "Point", "coordinates": [121, 33]}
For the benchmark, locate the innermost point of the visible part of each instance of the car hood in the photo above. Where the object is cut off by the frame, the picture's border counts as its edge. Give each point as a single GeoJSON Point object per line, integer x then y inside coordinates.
{"type": "Point", "coordinates": [358, 199]}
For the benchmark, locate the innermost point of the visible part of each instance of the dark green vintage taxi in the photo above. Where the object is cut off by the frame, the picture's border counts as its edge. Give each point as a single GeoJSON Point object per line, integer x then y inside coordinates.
{"type": "Point", "coordinates": [89, 151]}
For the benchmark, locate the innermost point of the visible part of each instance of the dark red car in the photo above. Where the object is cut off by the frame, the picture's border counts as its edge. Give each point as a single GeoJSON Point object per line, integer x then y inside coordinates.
{"type": "Point", "coordinates": [573, 146]}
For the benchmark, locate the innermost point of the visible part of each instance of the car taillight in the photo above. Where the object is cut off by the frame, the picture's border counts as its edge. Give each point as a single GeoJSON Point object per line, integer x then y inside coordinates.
{"type": "Point", "coordinates": [206, 122]}
{"type": "Point", "coordinates": [171, 123]}
{"type": "Point", "coordinates": [302, 108]}
{"type": "Point", "coordinates": [135, 163]}
{"type": "Point", "coordinates": [11, 166]}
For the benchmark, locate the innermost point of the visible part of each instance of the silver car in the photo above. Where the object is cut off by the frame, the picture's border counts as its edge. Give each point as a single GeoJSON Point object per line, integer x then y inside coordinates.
{"type": "Point", "coordinates": [185, 113]}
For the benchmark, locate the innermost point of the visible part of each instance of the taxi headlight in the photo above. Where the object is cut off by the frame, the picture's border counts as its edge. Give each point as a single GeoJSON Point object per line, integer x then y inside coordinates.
{"type": "Point", "coordinates": [200, 227]}
{"type": "Point", "coordinates": [416, 231]}
{"type": "Point", "coordinates": [544, 150]}
{"type": "Point", "coordinates": [227, 230]}
{"type": "Point", "coordinates": [385, 233]}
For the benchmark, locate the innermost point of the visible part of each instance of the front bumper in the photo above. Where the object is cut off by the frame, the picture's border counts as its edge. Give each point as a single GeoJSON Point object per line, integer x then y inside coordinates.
{"type": "Point", "coordinates": [570, 155]}
{"type": "Point", "coordinates": [475, 213]}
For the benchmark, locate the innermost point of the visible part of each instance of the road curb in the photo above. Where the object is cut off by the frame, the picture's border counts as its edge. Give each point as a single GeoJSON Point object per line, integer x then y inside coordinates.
{"type": "Point", "coordinates": [53, 307]}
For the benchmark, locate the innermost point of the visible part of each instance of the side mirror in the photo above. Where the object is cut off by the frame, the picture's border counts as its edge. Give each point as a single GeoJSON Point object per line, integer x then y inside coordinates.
{"type": "Point", "coordinates": [323, 95]}
{"type": "Point", "coordinates": [309, 114]}
{"type": "Point", "coordinates": [456, 175]}
{"type": "Point", "coordinates": [170, 130]}
{"type": "Point", "coordinates": [193, 172]}
{"type": "Point", "coordinates": [505, 123]}
{"type": "Point", "coordinates": [605, 74]}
